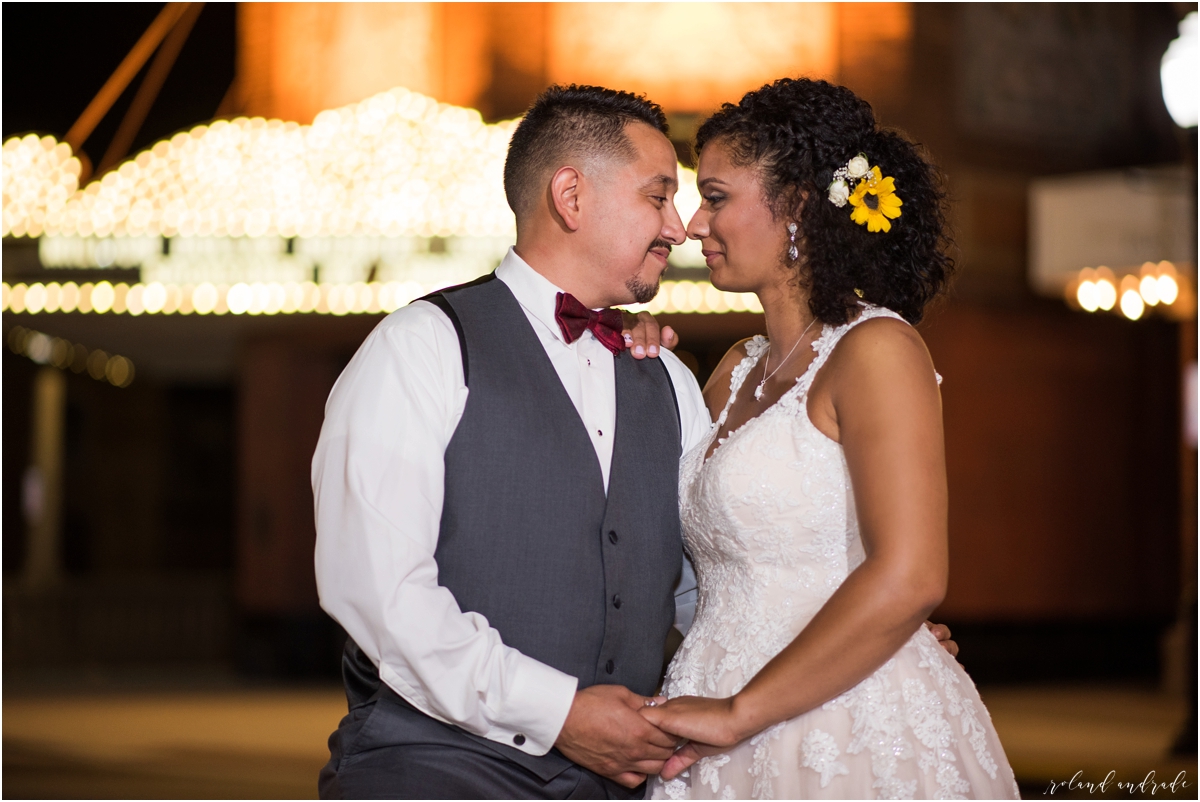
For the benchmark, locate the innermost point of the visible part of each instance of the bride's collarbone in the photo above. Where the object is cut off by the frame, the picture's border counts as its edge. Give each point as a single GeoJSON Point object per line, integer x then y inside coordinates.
{"type": "Point", "coordinates": [745, 407]}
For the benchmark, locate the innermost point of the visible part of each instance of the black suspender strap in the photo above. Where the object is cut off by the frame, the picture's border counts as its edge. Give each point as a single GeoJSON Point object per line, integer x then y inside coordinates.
{"type": "Point", "coordinates": [439, 300]}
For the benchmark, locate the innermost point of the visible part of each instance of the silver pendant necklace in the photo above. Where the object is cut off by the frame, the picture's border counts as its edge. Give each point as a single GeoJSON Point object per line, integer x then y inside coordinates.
{"type": "Point", "coordinates": [758, 391]}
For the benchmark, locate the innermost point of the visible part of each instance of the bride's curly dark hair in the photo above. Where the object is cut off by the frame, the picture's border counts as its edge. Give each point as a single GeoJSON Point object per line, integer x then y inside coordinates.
{"type": "Point", "coordinates": [797, 132]}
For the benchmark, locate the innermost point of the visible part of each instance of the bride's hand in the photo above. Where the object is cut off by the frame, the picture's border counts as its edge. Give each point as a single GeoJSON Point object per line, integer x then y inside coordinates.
{"type": "Point", "coordinates": [709, 725]}
{"type": "Point", "coordinates": [709, 721]}
{"type": "Point", "coordinates": [685, 756]}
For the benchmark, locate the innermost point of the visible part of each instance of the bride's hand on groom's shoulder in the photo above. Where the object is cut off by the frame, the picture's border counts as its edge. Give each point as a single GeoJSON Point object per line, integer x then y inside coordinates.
{"type": "Point", "coordinates": [643, 332]}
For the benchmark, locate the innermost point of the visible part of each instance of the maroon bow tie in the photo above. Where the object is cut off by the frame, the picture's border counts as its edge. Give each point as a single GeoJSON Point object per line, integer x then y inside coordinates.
{"type": "Point", "coordinates": [573, 318]}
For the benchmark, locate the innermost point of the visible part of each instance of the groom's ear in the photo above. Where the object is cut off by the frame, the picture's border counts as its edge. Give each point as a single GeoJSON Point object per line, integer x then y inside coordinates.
{"type": "Point", "coordinates": [564, 197]}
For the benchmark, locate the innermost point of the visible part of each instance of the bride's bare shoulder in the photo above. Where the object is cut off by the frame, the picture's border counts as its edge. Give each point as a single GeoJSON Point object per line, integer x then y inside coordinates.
{"type": "Point", "coordinates": [882, 349]}
{"type": "Point", "coordinates": [883, 336]}
{"type": "Point", "coordinates": [716, 390]}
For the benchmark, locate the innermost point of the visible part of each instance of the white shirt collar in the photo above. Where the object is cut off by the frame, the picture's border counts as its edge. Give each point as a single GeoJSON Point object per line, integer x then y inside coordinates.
{"type": "Point", "coordinates": [536, 293]}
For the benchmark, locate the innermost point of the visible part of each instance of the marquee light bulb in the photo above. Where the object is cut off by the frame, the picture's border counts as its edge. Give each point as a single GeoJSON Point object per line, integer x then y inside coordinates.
{"type": "Point", "coordinates": [396, 164]}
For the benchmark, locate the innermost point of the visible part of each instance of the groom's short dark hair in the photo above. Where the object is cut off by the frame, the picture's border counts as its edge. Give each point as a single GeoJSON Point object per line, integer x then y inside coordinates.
{"type": "Point", "coordinates": [569, 120]}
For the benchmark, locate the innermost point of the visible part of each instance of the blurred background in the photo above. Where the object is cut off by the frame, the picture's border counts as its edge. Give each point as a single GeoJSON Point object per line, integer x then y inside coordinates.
{"type": "Point", "coordinates": [207, 207]}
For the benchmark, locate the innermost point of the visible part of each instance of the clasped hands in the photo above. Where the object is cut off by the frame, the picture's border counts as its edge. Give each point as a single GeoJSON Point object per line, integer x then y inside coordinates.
{"type": "Point", "coordinates": [618, 734]}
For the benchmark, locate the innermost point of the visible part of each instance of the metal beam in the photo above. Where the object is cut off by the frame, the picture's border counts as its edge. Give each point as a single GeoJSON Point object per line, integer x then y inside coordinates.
{"type": "Point", "coordinates": [125, 72]}
{"type": "Point", "coordinates": [147, 93]}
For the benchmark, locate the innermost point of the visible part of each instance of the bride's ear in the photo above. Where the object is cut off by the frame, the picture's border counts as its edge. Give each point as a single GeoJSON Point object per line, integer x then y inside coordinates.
{"type": "Point", "coordinates": [564, 196]}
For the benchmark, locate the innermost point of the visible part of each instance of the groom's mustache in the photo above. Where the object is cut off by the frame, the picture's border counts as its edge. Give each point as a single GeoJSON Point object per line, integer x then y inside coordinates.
{"type": "Point", "coordinates": [659, 243]}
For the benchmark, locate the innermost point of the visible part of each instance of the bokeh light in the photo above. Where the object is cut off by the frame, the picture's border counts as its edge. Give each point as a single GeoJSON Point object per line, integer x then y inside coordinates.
{"type": "Point", "coordinates": [1158, 286]}
{"type": "Point", "coordinates": [272, 298]}
{"type": "Point", "coordinates": [1132, 305]}
{"type": "Point", "coordinates": [63, 354]}
{"type": "Point", "coordinates": [1106, 288]}
{"type": "Point", "coordinates": [396, 164]}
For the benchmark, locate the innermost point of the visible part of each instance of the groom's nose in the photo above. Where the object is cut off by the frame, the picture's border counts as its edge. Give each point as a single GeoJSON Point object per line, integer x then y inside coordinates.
{"type": "Point", "coordinates": [673, 230]}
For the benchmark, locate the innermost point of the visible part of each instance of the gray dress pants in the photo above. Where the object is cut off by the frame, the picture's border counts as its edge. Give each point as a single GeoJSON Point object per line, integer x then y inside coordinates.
{"type": "Point", "coordinates": [385, 749]}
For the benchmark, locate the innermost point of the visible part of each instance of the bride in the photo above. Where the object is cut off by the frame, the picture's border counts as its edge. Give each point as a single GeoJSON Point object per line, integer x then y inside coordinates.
{"type": "Point", "coordinates": [815, 512]}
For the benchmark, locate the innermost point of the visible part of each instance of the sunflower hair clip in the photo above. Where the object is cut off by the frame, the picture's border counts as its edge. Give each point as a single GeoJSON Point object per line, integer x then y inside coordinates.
{"type": "Point", "coordinates": [865, 188]}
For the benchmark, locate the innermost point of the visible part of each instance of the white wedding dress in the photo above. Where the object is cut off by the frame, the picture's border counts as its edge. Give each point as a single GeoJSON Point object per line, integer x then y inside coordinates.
{"type": "Point", "coordinates": [769, 521]}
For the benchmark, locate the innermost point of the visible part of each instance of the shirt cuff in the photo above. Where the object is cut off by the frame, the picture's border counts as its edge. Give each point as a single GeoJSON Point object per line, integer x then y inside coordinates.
{"type": "Point", "coordinates": [535, 707]}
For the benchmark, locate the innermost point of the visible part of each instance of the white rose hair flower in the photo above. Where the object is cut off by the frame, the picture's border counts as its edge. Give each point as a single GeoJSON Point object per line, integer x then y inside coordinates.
{"type": "Point", "coordinates": [839, 193]}
{"type": "Point", "coordinates": [858, 166]}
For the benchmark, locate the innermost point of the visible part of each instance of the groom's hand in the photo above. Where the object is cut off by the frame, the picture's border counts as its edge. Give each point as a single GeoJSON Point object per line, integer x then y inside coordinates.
{"type": "Point", "coordinates": [643, 335]}
{"type": "Point", "coordinates": [942, 633]}
{"type": "Point", "coordinates": [605, 732]}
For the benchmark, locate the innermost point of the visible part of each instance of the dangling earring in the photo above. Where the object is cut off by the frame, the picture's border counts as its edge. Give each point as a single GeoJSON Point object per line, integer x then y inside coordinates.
{"type": "Point", "coordinates": [793, 251]}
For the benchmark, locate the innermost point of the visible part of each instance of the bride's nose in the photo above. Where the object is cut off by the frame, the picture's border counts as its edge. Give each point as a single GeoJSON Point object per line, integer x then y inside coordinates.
{"type": "Point", "coordinates": [697, 227]}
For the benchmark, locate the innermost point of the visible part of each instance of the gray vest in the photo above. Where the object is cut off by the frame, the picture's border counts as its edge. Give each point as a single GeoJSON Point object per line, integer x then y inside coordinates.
{"type": "Point", "coordinates": [568, 576]}
{"type": "Point", "coordinates": [576, 579]}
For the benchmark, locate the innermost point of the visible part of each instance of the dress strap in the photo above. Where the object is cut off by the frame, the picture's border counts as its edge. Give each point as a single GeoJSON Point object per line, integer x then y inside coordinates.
{"type": "Point", "coordinates": [755, 348]}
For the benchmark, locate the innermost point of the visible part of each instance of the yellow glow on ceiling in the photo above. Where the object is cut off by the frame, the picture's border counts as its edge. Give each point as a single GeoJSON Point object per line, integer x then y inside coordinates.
{"type": "Point", "coordinates": [691, 56]}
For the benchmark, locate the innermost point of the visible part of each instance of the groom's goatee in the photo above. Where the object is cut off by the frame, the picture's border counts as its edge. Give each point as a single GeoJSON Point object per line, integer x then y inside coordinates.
{"type": "Point", "coordinates": [642, 292]}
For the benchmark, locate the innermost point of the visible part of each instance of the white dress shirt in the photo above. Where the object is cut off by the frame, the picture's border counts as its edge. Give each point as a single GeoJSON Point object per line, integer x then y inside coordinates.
{"type": "Point", "coordinates": [378, 480]}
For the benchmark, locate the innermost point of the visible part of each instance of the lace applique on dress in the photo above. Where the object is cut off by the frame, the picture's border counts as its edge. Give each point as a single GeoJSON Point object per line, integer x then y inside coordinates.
{"type": "Point", "coordinates": [768, 520]}
{"type": "Point", "coordinates": [819, 752]}
{"type": "Point", "coordinates": [879, 729]}
{"type": "Point", "coordinates": [764, 767]}
{"type": "Point", "coordinates": [956, 703]}
{"type": "Point", "coordinates": [710, 770]}
{"type": "Point", "coordinates": [933, 731]}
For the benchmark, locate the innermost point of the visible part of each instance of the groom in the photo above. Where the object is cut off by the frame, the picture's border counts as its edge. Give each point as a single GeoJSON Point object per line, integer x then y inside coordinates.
{"type": "Point", "coordinates": [495, 484]}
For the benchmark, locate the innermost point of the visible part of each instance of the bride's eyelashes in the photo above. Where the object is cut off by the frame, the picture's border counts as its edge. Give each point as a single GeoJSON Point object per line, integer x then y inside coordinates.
{"type": "Point", "coordinates": [714, 198]}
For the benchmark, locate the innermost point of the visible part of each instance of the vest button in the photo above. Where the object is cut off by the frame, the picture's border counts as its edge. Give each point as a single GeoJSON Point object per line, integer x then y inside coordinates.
{"type": "Point", "coordinates": [617, 600]}
{"type": "Point", "coordinates": [609, 667]}
{"type": "Point", "coordinates": [519, 739]}
{"type": "Point", "coordinates": [612, 536]}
